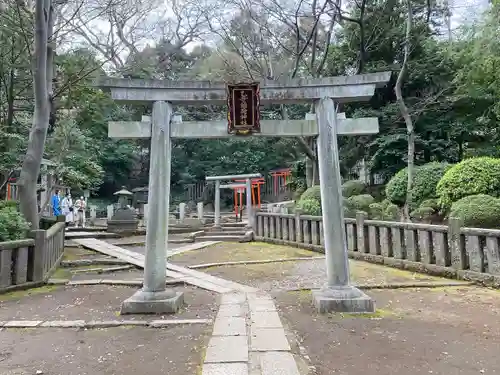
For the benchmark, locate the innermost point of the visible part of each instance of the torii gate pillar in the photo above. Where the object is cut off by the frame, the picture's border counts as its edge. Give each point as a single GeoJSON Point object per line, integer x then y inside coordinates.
{"type": "Point", "coordinates": [154, 297]}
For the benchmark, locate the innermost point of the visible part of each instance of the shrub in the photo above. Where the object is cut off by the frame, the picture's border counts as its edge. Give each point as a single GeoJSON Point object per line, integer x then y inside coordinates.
{"type": "Point", "coordinates": [298, 193]}
{"type": "Point", "coordinates": [427, 209]}
{"type": "Point", "coordinates": [469, 177]}
{"type": "Point", "coordinates": [13, 226]}
{"type": "Point", "coordinates": [479, 210]}
{"type": "Point", "coordinates": [353, 187]}
{"type": "Point", "coordinates": [384, 210]}
{"type": "Point", "coordinates": [425, 179]}
{"type": "Point", "coordinates": [310, 206]}
{"type": "Point", "coordinates": [313, 192]}
{"type": "Point", "coordinates": [359, 202]}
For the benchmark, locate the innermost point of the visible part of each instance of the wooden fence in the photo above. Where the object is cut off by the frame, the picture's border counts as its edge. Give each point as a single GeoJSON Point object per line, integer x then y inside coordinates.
{"type": "Point", "coordinates": [446, 250]}
{"type": "Point", "coordinates": [30, 262]}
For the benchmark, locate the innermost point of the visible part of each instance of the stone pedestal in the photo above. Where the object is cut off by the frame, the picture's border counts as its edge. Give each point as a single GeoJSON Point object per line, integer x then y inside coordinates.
{"type": "Point", "coordinates": [163, 302]}
{"type": "Point", "coordinates": [199, 209]}
{"type": "Point", "coordinates": [347, 299]}
{"type": "Point", "coordinates": [124, 221]}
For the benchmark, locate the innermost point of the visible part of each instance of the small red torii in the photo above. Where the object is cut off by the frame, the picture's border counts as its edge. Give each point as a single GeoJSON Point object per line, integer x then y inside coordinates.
{"type": "Point", "coordinates": [238, 192]}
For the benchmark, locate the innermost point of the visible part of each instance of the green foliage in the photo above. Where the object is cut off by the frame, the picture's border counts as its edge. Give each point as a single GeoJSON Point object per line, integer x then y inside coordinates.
{"type": "Point", "coordinates": [313, 192]}
{"type": "Point", "coordinates": [309, 206]}
{"type": "Point", "coordinates": [384, 210]}
{"type": "Point", "coordinates": [353, 187]}
{"type": "Point", "coordinates": [425, 179]}
{"type": "Point", "coordinates": [469, 177]}
{"type": "Point", "coordinates": [479, 210]}
{"type": "Point", "coordinates": [13, 226]}
{"type": "Point", "coordinates": [359, 202]}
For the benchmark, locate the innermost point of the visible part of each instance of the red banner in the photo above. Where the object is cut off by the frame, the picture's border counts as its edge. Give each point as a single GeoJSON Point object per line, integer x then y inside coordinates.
{"type": "Point", "coordinates": [243, 108]}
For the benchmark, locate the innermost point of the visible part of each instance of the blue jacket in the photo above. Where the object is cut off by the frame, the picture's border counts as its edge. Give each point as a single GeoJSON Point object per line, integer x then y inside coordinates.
{"type": "Point", "coordinates": [56, 205]}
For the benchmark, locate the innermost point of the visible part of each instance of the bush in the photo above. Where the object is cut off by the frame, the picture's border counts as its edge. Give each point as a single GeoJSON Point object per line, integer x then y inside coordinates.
{"type": "Point", "coordinates": [384, 210]}
{"type": "Point", "coordinates": [425, 179]}
{"type": "Point", "coordinates": [313, 192]}
{"type": "Point", "coordinates": [479, 210]}
{"type": "Point", "coordinates": [310, 206]}
{"type": "Point", "coordinates": [426, 210]}
{"type": "Point", "coordinates": [469, 177]}
{"type": "Point", "coordinates": [359, 202]}
{"type": "Point", "coordinates": [13, 226]}
{"type": "Point", "coordinates": [353, 187]}
{"type": "Point", "coordinates": [297, 194]}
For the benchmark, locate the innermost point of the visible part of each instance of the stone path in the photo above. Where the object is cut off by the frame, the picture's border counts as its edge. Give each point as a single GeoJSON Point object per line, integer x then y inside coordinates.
{"type": "Point", "coordinates": [158, 323]}
{"type": "Point", "coordinates": [248, 338]}
{"type": "Point", "coordinates": [189, 276]}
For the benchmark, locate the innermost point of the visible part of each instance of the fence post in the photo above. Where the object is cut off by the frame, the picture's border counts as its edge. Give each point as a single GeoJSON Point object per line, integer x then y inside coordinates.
{"type": "Point", "coordinates": [298, 229]}
{"type": "Point", "coordinates": [456, 243]}
{"type": "Point", "coordinates": [38, 256]}
{"type": "Point", "coordinates": [361, 233]}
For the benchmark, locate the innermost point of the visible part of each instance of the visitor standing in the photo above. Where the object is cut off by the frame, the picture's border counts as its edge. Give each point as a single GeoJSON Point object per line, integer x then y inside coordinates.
{"type": "Point", "coordinates": [80, 206]}
{"type": "Point", "coordinates": [67, 208]}
{"type": "Point", "coordinates": [56, 204]}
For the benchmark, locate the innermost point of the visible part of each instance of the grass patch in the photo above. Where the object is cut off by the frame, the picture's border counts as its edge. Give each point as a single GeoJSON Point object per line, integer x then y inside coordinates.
{"type": "Point", "coordinates": [75, 253]}
{"type": "Point", "coordinates": [18, 294]}
{"type": "Point", "coordinates": [228, 252]}
{"type": "Point", "coordinates": [378, 314]}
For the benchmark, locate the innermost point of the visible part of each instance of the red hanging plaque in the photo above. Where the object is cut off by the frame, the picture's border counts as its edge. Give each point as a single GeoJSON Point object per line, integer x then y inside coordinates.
{"type": "Point", "coordinates": [243, 104]}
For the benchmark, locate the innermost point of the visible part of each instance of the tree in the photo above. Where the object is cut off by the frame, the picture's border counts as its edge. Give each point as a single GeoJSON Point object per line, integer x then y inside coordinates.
{"type": "Point", "coordinates": [42, 83]}
{"type": "Point", "coordinates": [404, 110]}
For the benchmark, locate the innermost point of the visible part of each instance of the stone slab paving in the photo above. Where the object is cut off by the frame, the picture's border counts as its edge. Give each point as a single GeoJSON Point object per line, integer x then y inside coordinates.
{"type": "Point", "coordinates": [196, 278]}
{"type": "Point", "coordinates": [158, 323]}
{"type": "Point", "coordinates": [248, 338]}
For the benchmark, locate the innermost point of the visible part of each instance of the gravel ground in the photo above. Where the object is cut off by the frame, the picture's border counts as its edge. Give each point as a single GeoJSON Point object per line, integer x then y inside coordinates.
{"type": "Point", "coordinates": [97, 302]}
{"type": "Point", "coordinates": [444, 331]}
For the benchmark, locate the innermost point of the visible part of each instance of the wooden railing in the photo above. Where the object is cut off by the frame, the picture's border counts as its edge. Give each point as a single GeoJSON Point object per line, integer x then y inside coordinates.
{"type": "Point", "coordinates": [449, 250]}
{"type": "Point", "coordinates": [30, 262]}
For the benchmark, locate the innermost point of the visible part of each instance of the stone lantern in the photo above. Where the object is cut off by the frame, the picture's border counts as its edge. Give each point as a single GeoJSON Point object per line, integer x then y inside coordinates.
{"type": "Point", "coordinates": [124, 220]}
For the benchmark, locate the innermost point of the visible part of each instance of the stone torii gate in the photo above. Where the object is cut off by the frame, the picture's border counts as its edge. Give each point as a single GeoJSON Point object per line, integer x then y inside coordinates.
{"type": "Point", "coordinates": [218, 186]}
{"type": "Point", "coordinates": [337, 294]}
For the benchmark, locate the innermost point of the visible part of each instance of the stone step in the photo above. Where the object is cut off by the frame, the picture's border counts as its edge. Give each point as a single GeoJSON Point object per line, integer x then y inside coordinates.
{"type": "Point", "coordinates": [85, 234]}
{"type": "Point", "coordinates": [86, 229]}
{"type": "Point", "coordinates": [219, 238]}
{"type": "Point", "coordinates": [225, 233]}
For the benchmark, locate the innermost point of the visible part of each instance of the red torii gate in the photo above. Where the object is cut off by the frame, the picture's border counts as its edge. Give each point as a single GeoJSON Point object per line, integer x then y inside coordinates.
{"type": "Point", "coordinates": [280, 178]}
{"type": "Point", "coordinates": [238, 192]}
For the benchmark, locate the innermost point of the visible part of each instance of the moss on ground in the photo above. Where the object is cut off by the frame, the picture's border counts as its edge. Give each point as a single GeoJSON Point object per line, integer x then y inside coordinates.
{"type": "Point", "coordinates": [75, 253]}
{"type": "Point", "coordinates": [233, 252]}
{"type": "Point", "coordinates": [18, 294]}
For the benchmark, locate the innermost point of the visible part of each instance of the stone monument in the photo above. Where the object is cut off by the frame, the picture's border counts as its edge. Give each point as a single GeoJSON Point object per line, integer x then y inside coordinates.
{"type": "Point", "coordinates": [124, 219]}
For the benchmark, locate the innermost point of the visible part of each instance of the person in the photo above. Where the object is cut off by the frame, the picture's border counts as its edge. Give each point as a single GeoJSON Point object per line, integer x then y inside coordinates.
{"type": "Point", "coordinates": [56, 204]}
{"type": "Point", "coordinates": [67, 208]}
{"type": "Point", "coordinates": [80, 206]}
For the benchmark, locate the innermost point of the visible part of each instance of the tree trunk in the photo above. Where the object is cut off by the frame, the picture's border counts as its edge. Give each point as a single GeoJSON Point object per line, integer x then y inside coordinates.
{"type": "Point", "coordinates": [36, 143]}
{"type": "Point", "coordinates": [405, 112]}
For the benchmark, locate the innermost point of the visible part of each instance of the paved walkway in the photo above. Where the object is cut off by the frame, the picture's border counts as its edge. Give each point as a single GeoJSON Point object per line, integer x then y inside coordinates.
{"type": "Point", "coordinates": [248, 336]}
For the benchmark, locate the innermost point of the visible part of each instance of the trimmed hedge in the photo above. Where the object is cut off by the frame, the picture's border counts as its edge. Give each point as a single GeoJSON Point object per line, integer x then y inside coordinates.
{"type": "Point", "coordinates": [425, 179]}
{"type": "Point", "coordinates": [353, 187]}
{"type": "Point", "coordinates": [469, 177]}
{"type": "Point", "coordinates": [313, 192]}
{"type": "Point", "coordinates": [384, 210]}
{"type": "Point", "coordinates": [310, 206]}
{"type": "Point", "coordinates": [479, 210]}
{"type": "Point", "coordinates": [359, 202]}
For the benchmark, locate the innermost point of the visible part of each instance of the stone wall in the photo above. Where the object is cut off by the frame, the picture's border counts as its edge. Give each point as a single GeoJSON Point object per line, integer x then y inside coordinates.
{"type": "Point", "coordinates": [452, 251]}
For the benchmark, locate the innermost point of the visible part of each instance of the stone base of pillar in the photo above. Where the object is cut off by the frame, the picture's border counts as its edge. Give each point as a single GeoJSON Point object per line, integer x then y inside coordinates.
{"type": "Point", "coordinates": [164, 302]}
{"type": "Point", "coordinates": [343, 299]}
